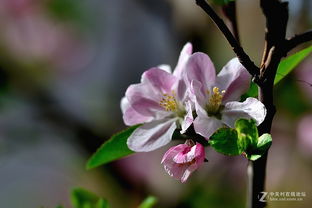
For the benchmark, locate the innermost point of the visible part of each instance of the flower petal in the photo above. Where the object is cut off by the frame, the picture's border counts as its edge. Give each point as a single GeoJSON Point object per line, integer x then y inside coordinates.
{"type": "Point", "coordinates": [184, 56]}
{"type": "Point", "coordinates": [181, 90]}
{"type": "Point", "coordinates": [200, 68]}
{"type": "Point", "coordinates": [160, 80]}
{"type": "Point", "coordinates": [196, 153]}
{"type": "Point", "coordinates": [168, 156]}
{"type": "Point", "coordinates": [188, 118]}
{"type": "Point", "coordinates": [196, 94]}
{"type": "Point", "coordinates": [165, 67]}
{"type": "Point", "coordinates": [190, 169]}
{"type": "Point", "coordinates": [132, 117]}
{"type": "Point", "coordinates": [143, 99]}
{"type": "Point", "coordinates": [206, 126]}
{"type": "Point", "coordinates": [124, 104]}
{"type": "Point", "coordinates": [151, 136]}
{"type": "Point", "coordinates": [234, 79]}
{"type": "Point", "coordinates": [250, 108]}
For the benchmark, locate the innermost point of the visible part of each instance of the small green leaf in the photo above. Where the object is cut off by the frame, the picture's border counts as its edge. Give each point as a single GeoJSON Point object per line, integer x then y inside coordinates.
{"type": "Point", "coordinates": [247, 133]}
{"type": "Point", "coordinates": [149, 202]}
{"type": "Point", "coordinates": [264, 143]}
{"type": "Point", "coordinates": [222, 2]}
{"type": "Point", "coordinates": [81, 198]}
{"type": "Point", "coordinates": [225, 141]}
{"type": "Point", "coordinates": [113, 149]}
{"type": "Point", "coordinates": [290, 63]}
{"type": "Point", "coordinates": [253, 157]}
{"type": "Point", "coordinates": [252, 92]}
{"type": "Point", "coordinates": [102, 203]}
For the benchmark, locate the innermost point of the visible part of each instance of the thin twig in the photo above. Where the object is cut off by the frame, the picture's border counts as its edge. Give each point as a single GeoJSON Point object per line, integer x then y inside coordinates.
{"type": "Point", "coordinates": [229, 11]}
{"type": "Point", "coordinates": [239, 51]}
{"type": "Point", "coordinates": [297, 40]}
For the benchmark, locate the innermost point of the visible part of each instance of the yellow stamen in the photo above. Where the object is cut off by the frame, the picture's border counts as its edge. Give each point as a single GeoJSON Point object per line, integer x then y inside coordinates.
{"type": "Point", "coordinates": [168, 102]}
{"type": "Point", "coordinates": [215, 100]}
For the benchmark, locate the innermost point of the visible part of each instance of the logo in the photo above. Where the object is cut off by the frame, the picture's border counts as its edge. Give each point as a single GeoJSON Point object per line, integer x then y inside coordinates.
{"type": "Point", "coordinates": [262, 198]}
{"type": "Point", "coordinates": [281, 196]}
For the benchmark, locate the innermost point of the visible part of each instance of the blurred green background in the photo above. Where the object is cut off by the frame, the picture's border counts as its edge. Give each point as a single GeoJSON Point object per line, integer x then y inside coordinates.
{"type": "Point", "coordinates": [65, 65]}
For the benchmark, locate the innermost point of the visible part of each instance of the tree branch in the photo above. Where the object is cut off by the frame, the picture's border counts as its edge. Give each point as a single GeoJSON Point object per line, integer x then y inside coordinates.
{"type": "Point", "coordinates": [229, 11]}
{"type": "Point", "coordinates": [239, 51]}
{"type": "Point", "coordinates": [276, 26]}
{"type": "Point", "coordinates": [297, 40]}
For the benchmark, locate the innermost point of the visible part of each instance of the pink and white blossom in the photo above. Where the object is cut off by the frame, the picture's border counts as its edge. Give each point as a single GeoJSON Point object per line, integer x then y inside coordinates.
{"type": "Point", "coordinates": [216, 96]}
{"type": "Point", "coordinates": [181, 160]}
{"type": "Point", "coordinates": [161, 103]}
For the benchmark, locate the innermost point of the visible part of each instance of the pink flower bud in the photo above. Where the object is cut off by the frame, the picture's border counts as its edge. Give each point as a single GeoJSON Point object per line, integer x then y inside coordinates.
{"type": "Point", "coordinates": [181, 160]}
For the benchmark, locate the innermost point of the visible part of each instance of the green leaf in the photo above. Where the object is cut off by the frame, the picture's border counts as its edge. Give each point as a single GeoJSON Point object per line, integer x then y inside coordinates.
{"type": "Point", "coordinates": [81, 198]}
{"type": "Point", "coordinates": [222, 2]}
{"type": "Point", "coordinates": [290, 63]}
{"type": "Point", "coordinates": [252, 92]}
{"type": "Point", "coordinates": [102, 203]}
{"type": "Point", "coordinates": [225, 141]}
{"type": "Point", "coordinates": [247, 133]}
{"type": "Point", "coordinates": [113, 149]}
{"type": "Point", "coordinates": [149, 202]}
{"type": "Point", "coordinates": [264, 143]}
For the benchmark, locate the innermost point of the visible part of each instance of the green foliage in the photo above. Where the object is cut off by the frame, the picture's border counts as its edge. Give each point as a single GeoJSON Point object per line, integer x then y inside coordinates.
{"type": "Point", "coordinates": [225, 141]}
{"type": "Point", "coordinates": [81, 198]}
{"type": "Point", "coordinates": [284, 68]}
{"type": "Point", "coordinates": [247, 133]}
{"type": "Point", "coordinates": [68, 10]}
{"type": "Point", "coordinates": [290, 63]}
{"type": "Point", "coordinates": [252, 92]}
{"type": "Point", "coordinates": [222, 2]}
{"type": "Point", "coordinates": [149, 202]}
{"type": "Point", "coordinates": [263, 144]}
{"type": "Point", "coordinates": [243, 138]}
{"type": "Point", "coordinates": [113, 149]}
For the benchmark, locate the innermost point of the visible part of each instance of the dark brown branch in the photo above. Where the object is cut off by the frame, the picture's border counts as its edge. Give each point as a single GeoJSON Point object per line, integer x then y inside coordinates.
{"type": "Point", "coordinates": [297, 40]}
{"type": "Point", "coordinates": [239, 51]}
{"type": "Point", "coordinates": [229, 11]}
{"type": "Point", "coordinates": [276, 26]}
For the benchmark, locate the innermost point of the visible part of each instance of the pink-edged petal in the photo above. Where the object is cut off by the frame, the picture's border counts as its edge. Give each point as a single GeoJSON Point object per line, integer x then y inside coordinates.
{"type": "Point", "coordinates": [165, 67]}
{"type": "Point", "coordinates": [181, 90]}
{"type": "Point", "coordinates": [151, 136]}
{"type": "Point", "coordinates": [177, 171]}
{"type": "Point", "coordinates": [124, 104]}
{"type": "Point", "coordinates": [234, 79]}
{"type": "Point", "coordinates": [188, 118]}
{"type": "Point", "coordinates": [172, 152]}
{"type": "Point", "coordinates": [206, 126]}
{"type": "Point", "coordinates": [196, 94]}
{"type": "Point", "coordinates": [188, 172]}
{"type": "Point", "coordinates": [143, 99]}
{"type": "Point", "coordinates": [251, 108]}
{"type": "Point", "coordinates": [132, 117]}
{"type": "Point", "coordinates": [160, 80]}
{"type": "Point", "coordinates": [184, 56]}
{"type": "Point", "coordinates": [199, 153]}
{"type": "Point", "coordinates": [195, 154]}
{"type": "Point", "coordinates": [199, 67]}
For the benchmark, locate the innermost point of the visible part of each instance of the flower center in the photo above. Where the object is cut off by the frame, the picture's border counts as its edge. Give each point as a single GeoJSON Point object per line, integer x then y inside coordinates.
{"type": "Point", "coordinates": [168, 102]}
{"type": "Point", "coordinates": [215, 100]}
